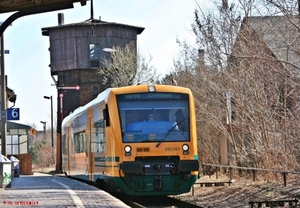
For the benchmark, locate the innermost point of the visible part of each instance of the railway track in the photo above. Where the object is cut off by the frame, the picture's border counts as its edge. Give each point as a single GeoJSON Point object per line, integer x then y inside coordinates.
{"type": "Point", "coordinates": [147, 201]}
{"type": "Point", "coordinates": [157, 202]}
{"type": "Point", "coordinates": [170, 202]}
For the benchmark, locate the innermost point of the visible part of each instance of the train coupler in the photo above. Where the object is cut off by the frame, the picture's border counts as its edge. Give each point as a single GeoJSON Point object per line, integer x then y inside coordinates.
{"type": "Point", "coordinates": [158, 183]}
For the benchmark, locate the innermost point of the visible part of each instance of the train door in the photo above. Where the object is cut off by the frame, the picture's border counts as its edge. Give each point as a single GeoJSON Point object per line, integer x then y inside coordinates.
{"type": "Point", "coordinates": [90, 151]}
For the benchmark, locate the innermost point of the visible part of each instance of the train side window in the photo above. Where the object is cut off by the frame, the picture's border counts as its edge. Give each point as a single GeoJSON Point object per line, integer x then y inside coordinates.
{"type": "Point", "coordinates": [80, 142]}
{"type": "Point", "coordinates": [99, 137]}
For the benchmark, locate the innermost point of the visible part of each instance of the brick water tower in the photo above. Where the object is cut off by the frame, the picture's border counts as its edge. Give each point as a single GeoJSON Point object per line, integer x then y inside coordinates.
{"type": "Point", "coordinates": [76, 54]}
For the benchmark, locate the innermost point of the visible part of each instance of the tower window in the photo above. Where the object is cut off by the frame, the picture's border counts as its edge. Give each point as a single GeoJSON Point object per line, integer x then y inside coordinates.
{"type": "Point", "coordinates": [94, 54]}
{"type": "Point", "coordinates": [95, 91]}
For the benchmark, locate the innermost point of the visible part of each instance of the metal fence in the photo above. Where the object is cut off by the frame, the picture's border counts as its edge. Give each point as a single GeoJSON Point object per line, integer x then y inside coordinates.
{"type": "Point", "coordinates": [253, 170]}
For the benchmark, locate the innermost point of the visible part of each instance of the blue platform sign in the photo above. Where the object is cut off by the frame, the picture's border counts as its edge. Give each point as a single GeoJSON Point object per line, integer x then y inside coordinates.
{"type": "Point", "coordinates": [13, 114]}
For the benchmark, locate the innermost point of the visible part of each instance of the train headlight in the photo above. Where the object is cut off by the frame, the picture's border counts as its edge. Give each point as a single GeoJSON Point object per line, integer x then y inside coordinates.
{"type": "Point", "coordinates": [127, 149]}
{"type": "Point", "coordinates": [185, 148]}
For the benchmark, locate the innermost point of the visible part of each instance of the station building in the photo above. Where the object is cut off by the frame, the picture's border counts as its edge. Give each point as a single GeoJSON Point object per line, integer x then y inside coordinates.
{"type": "Point", "coordinates": [18, 139]}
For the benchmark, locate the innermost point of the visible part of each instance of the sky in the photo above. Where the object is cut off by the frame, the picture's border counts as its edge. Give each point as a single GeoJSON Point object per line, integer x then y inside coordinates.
{"type": "Point", "coordinates": [27, 64]}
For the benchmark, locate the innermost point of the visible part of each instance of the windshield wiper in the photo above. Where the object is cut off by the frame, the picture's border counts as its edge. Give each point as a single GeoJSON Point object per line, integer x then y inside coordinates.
{"type": "Point", "coordinates": [170, 130]}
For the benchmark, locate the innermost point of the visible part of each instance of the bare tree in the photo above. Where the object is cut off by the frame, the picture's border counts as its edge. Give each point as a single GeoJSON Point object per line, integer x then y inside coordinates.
{"type": "Point", "coordinates": [201, 67]}
{"type": "Point", "coordinates": [246, 84]}
{"type": "Point", "coordinates": [127, 67]}
{"type": "Point", "coordinates": [283, 7]}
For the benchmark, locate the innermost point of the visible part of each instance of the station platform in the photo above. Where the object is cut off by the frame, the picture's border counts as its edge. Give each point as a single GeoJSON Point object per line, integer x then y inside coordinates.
{"type": "Point", "coordinates": [44, 190]}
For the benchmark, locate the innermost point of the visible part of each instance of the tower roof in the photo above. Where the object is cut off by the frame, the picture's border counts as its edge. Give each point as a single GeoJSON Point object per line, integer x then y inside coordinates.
{"type": "Point", "coordinates": [281, 35]}
{"type": "Point", "coordinates": [91, 22]}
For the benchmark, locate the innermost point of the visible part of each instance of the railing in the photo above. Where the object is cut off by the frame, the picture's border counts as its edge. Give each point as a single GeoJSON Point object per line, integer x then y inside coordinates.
{"type": "Point", "coordinates": [254, 170]}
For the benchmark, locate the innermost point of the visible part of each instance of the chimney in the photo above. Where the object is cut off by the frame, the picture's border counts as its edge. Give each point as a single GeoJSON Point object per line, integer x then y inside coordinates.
{"type": "Point", "coordinates": [201, 62]}
{"type": "Point", "coordinates": [61, 19]}
{"type": "Point", "coordinates": [201, 54]}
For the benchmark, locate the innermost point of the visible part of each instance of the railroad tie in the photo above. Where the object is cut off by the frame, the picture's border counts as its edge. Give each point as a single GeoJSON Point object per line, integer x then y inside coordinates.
{"type": "Point", "coordinates": [277, 203]}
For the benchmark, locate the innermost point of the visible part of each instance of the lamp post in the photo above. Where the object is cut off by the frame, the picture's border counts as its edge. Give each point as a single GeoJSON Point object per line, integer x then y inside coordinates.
{"type": "Point", "coordinates": [47, 97]}
{"type": "Point", "coordinates": [50, 98]}
{"type": "Point", "coordinates": [109, 50]}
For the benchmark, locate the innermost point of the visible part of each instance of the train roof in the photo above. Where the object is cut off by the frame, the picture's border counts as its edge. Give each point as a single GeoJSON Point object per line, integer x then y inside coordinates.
{"type": "Point", "coordinates": [81, 109]}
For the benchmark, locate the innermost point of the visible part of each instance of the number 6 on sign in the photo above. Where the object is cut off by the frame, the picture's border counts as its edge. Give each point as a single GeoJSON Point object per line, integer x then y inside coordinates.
{"type": "Point", "coordinates": [13, 114]}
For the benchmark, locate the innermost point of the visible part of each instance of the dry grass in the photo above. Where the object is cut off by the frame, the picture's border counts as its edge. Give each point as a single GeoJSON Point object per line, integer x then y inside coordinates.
{"type": "Point", "coordinates": [49, 170]}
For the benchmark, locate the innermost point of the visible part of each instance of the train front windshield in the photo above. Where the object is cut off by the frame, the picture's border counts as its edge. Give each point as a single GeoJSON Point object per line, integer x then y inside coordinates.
{"type": "Point", "coordinates": [154, 117]}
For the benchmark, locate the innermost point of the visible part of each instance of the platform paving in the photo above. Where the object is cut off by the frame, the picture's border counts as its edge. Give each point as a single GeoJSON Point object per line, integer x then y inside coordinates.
{"type": "Point", "coordinates": [43, 190]}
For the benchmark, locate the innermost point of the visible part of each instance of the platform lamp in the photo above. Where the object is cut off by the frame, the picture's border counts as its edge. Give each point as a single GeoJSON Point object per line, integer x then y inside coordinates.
{"type": "Point", "coordinates": [50, 98]}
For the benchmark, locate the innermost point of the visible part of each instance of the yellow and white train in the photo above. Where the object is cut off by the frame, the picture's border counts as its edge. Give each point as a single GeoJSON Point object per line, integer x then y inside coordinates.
{"type": "Point", "coordinates": [111, 141]}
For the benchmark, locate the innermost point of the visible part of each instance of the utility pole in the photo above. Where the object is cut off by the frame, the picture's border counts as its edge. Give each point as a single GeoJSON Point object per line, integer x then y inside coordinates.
{"type": "Point", "coordinates": [3, 99]}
